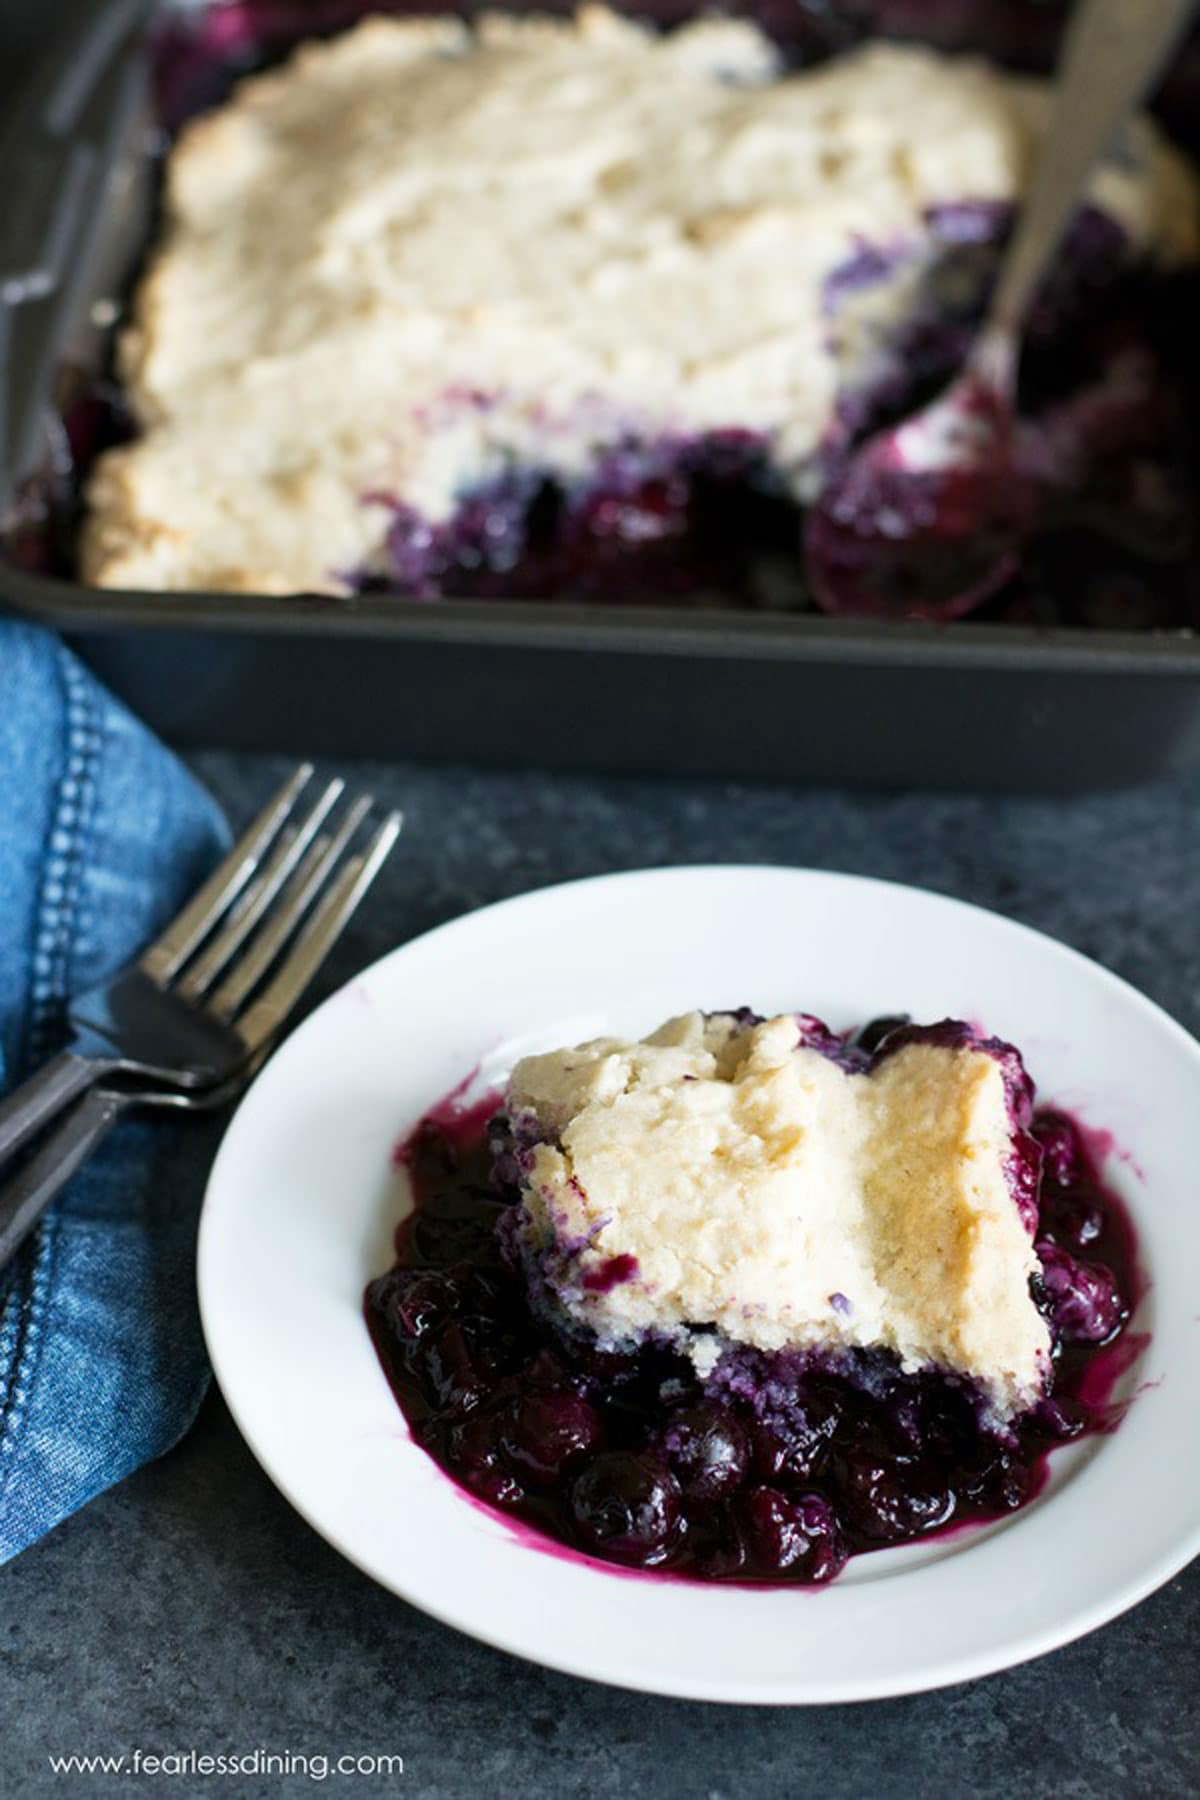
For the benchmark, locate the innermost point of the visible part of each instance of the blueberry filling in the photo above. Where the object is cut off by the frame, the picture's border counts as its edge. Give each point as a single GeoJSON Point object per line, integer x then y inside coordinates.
{"type": "Point", "coordinates": [774, 1466]}
{"type": "Point", "coordinates": [674, 519]}
{"type": "Point", "coordinates": [1093, 529]}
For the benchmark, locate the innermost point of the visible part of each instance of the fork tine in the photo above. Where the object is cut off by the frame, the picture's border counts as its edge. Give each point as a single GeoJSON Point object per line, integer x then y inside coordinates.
{"type": "Point", "coordinates": [190, 926]}
{"type": "Point", "coordinates": [251, 891]}
{"type": "Point", "coordinates": [255, 900]}
{"type": "Point", "coordinates": [295, 901]}
{"type": "Point", "coordinates": [262, 1020]}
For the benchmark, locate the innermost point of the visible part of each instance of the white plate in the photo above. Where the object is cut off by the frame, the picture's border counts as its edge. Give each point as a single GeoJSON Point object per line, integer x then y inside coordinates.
{"type": "Point", "coordinates": [302, 1204]}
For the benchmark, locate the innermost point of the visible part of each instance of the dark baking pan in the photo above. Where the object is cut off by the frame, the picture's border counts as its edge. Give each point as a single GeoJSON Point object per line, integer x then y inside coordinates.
{"type": "Point", "coordinates": [549, 684]}
{"type": "Point", "coordinates": [578, 687]}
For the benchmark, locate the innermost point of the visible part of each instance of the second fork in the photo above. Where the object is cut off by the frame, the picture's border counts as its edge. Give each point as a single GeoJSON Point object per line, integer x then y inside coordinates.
{"type": "Point", "coordinates": [207, 995]}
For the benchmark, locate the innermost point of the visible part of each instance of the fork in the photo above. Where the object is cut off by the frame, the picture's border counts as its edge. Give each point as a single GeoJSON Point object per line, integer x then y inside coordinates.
{"type": "Point", "coordinates": [192, 1012]}
{"type": "Point", "coordinates": [42, 1177]}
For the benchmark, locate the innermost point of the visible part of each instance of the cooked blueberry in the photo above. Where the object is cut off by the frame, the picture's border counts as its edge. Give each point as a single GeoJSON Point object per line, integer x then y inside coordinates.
{"type": "Point", "coordinates": [546, 1370]}
{"type": "Point", "coordinates": [549, 1432]}
{"type": "Point", "coordinates": [719, 1542]}
{"type": "Point", "coordinates": [999, 1482]}
{"type": "Point", "coordinates": [450, 1370]}
{"type": "Point", "coordinates": [931, 1416]}
{"type": "Point", "coordinates": [628, 1506]}
{"type": "Point", "coordinates": [794, 1448]}
{"type": "Point", "coordinates": [473, 1451]}
{"type": "Point", "coordinates": [438, 1241]}
{"type": "Point", "coordinates": [496, 1351]}
{"type": "Point", "coordinates": [894, 1498]}
{"type": "Point", "coordinates": [384, 1297]}
{"type": "Point", "coordinates": [507, 1172]}
{"type": "Point", "coordinates": [607, 1368]}
{"type": "Point", "coordinates": [413, 1303]}
{"type": "Point", "coordinates": [1060, 1147]}
{"type": "Point", "coordinates": [650, 510]}
{"type": "Point", "coordinates": [796, 1532]}
{"type": "Point", "coordinates": [708, 1449]}
{"type": "Point", "coordinates": [1011, 1486]}
{"type": "Point", "coordinates": [1081, 1299]}
{"type": "Point", "coordinates": [1074, 1218]}
{"type": "Point", "coordinates": [768, 1451]}
{"type": "Point", "coordinates": [906, 1420]}
{"type": "Point", "coordinates": [870, 1036]}
{"type": "Point", "coordinates": [483, 1287]}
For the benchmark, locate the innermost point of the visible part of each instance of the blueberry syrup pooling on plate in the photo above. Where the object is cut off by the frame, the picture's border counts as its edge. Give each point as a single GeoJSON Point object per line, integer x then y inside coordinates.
{"type": "Point", "coordinates": [778, 1467]}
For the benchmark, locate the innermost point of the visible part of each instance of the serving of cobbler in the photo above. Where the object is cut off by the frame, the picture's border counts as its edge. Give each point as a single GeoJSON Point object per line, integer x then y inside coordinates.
{"type": "Point", "coordinates": [748, 1297]}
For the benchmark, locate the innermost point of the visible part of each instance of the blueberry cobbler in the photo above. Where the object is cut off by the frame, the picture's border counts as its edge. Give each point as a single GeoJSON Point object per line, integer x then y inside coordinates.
{"type": "Point", "coordinates": [548, 306]}
{"type": "Point", "coordinates": [745, 1298]}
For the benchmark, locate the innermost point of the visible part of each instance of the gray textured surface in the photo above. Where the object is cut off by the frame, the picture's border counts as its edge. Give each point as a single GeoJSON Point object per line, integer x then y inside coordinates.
{"type": "Point", "coordinates": [191, 1609]}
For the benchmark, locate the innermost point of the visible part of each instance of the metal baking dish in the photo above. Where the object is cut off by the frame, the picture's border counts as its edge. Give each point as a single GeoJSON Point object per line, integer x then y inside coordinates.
{"type": "Point", "coordinates": [556, 685]}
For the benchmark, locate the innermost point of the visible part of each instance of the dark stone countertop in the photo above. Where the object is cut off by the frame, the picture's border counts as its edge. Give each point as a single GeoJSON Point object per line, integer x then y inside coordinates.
{"type": "Point", "coordinates": [192, 1609]}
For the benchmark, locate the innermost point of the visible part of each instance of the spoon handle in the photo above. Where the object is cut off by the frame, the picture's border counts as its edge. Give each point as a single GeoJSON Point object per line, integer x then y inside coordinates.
{"type": "Point", "coordinates": [1111, 52]}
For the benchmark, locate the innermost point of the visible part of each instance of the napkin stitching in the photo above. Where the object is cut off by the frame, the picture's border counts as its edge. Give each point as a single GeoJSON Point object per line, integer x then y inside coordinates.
{"type": "Point", "coordinates": [58, 900]}
{"type": "Point", "coordinates": [58, 904]}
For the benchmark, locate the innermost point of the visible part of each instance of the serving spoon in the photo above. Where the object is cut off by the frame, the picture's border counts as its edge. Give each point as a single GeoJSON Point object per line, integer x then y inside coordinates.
{"type": "Point", "coordinates": [926, 518]}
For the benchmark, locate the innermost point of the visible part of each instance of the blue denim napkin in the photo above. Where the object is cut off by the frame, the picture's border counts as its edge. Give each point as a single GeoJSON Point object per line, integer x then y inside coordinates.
{"type": "Point", "coordinates": [102, 836]}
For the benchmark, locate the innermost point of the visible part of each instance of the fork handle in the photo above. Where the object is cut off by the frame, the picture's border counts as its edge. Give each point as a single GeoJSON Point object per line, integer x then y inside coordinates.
{"type": "Point", "coordinates": [52, 1165]}
{"type": "Point", "coordinates": [24, 1112]}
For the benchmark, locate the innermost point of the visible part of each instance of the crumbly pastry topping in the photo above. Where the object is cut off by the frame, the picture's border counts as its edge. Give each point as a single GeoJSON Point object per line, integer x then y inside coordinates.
{"type": "Point", "coordinates": [719, 1176]}
{"type": "Point", "coordinates": [421, 252]}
